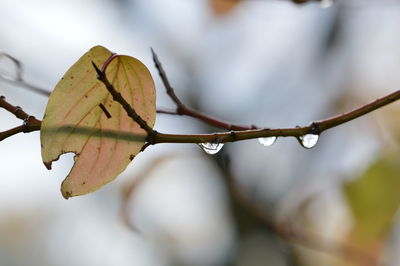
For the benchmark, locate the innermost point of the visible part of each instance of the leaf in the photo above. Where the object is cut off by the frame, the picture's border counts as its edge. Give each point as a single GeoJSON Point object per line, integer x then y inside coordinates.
{"type": "Point", "coordinates": [221, 7]}
{"type": "Point", "coordinates": [81, 117]}
{"type": "Point", "coordinates": [374, 200]}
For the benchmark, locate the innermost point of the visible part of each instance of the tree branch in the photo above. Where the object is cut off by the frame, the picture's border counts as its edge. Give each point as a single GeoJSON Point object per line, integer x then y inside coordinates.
{"type": "Point", "coordinates": [30, 123]}
{"type": "Point", "coordinates": [236, 133]}
{"type": "Point", "coordinates": [11, 132]}
{"type": "Point", "coordinates": [254, 132]}
{"type": "Point", "coordinates": [314, 128]}
{"type": "Point", "coordinates": [19, 80]}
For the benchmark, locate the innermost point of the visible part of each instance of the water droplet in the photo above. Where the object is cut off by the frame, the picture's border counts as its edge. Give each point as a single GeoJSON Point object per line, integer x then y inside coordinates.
{"type": "Point", "coordinates": [326, 3]}
{"type": "Point", "coordinates": [211, 148]}
{"type": "Point", "coordinates": [268, 141]}
{"type": "Point", "coordinates": [308, 141]}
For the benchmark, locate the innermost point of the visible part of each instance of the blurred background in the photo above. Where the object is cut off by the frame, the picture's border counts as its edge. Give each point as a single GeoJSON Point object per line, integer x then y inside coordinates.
{"type": "Point", "coordinates": [271, 63]}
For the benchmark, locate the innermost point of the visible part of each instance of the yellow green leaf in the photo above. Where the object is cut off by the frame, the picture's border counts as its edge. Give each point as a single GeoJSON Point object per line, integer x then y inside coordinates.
{"type": "Point", "coordinates": [374, 199]}
{"type": "Point", "coordinates": [81, 117]}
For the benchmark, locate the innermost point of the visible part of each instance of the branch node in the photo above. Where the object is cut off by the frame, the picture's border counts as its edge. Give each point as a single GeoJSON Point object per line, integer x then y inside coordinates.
{"type": "Point", "coordinates": [151, 137]}
{"type": "Point", "coordinates": [315, 128]}
{"type": "Point", "coordinates": [18, 111]}
{"type": "Point", "coordinates": [233, 135]}
{"type": "Point", "coordinates": [147, 144]}
{"type": "Point", "coordinates": [26, 124]}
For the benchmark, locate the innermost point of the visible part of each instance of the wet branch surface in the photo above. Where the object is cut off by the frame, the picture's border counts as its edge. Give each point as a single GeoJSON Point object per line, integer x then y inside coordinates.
{"type": "Point", "coordinates": [235, 133]}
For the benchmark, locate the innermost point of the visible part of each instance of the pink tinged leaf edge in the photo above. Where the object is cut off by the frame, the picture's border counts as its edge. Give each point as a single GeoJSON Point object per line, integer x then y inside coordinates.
{"type": "Point", "coordinates": [76, 182]}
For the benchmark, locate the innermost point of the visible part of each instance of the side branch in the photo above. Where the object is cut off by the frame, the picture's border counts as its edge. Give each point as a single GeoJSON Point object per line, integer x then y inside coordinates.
{"type": "Point", "coordinates": [182, 109]}
{"type": "Point", "coordinates": [15, 110]}
{"type": "Point", "coordinates": [246, 132]}
{"type": "Point", "coordinates": [314, 128]}
{"type": "Point", "coordinates": [360, 111]}
{"type": "Point", "coordinates": [19, 80]}
{"type": "Point", "coordinates": [30, 123]}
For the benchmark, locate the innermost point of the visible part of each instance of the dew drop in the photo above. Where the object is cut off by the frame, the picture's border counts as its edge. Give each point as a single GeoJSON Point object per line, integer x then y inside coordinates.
{"type": "Point", "coordinates": [268, 141]}
{"type": "Point", "coordinates": [308, 141]}
{"type": "Point", "coordinates": [326, 3]}
{"type": "Point", "coordinates": [211, 148]}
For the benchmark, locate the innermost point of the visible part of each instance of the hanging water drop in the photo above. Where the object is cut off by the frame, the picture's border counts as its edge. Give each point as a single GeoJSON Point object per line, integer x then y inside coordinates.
{"type": "Point", "coordinates": [211, 148]}
{"type": "Point", "coordinates": [309, 140]}
{"type": "Point", "coordinates": [268, 141]}
{"type": "Point", "coordinates": [326, 3]}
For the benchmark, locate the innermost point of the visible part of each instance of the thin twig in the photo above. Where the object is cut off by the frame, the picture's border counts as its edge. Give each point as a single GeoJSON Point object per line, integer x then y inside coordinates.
{"type": "Point", "coordinates": [316, 127]}
{"type": "Point", "coordinates": [30, 123]}
{"type": "Point", "coordinates": [11, 132]}
{"type": "Point", "coordinates": [19, 79]}
{"type": "Point", "coordinates": [240, 133]}
{"type": "Point", "coordinates": [27, 85]}
{"type": "Point", "coordinates": [15, 110]}
{"type": "Point", "coordinates": [182, 109]}
{"type": "Point", "coordinates": [357, 112]}
{"type": "Point", "coordinates": [253, 132]}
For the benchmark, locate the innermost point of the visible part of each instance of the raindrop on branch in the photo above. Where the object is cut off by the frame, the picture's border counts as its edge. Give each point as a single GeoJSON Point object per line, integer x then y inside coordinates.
{"type": "Point", "coordinates": [268, 141]}
{"type": "Point", "coordinates": [309, 140]}
{"type": "Point", "coordinates": [326, 3]}
{"type": "Point", "coordinates": [211, 148]}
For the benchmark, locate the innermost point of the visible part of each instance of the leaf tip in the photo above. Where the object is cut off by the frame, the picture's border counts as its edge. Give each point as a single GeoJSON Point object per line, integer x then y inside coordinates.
{"type": "Point", "coordinates": [66, 194]}
{"type": "Point", "coordinates": [48, 165]}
